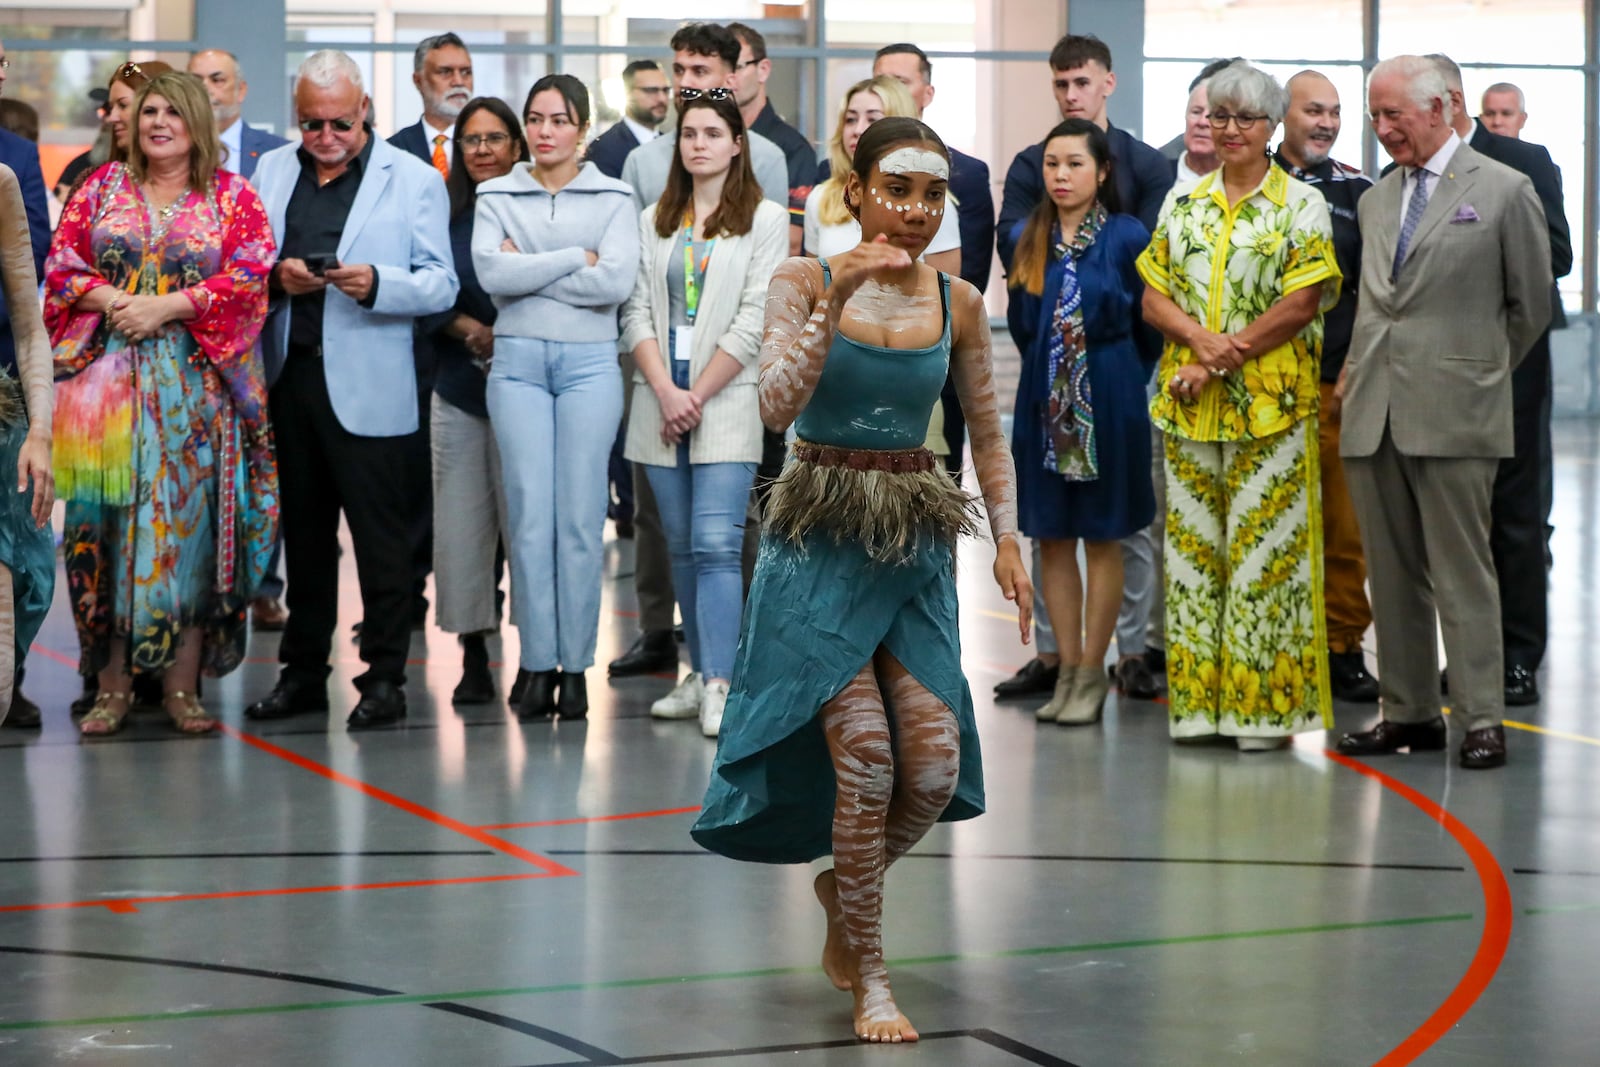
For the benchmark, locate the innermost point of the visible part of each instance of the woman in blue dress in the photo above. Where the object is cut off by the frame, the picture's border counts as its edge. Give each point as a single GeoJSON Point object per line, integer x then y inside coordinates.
{"type": "Point", "coordinates": [1081, 435]}
{"type": "Point", "coordinates": [849, 726]}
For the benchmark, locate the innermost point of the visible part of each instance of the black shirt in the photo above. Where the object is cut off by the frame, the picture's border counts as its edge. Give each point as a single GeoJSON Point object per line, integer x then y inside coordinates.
{"type": "Point", "coordinates": [313, 223]}
{"type": "Point", "coordinates": [457, 378]}
{"type": "Point", "coordinates": [801, 157]}
{"type": "Point", "coordinates": [1341, 187]}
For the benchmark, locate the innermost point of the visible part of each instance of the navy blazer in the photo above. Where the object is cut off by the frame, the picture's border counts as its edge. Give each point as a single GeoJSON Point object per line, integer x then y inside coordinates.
{"type": "Point", "coordinates": [610, 150]}
{"type": "Point", "coordinates": [415, 140]}
{"type": "Point", "coordinates": [253, 144]}
{"type": "Point", "coordinates": [22, 156]}
{"type": "Point", "coordinates": [1142, 174]}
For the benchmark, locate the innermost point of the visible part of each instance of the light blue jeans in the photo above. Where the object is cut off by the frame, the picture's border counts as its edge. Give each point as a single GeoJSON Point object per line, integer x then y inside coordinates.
{"type": "Point", "coordinates": [555, 409]}
{"type": "Point", "coordinates": [702, 509]}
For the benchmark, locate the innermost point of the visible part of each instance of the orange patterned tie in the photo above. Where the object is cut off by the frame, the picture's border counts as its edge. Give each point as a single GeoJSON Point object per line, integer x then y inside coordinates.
{"type": "Point", "coordinates": [441, 162]}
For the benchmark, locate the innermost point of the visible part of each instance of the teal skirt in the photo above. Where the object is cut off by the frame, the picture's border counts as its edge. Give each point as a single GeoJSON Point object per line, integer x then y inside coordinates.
{"type": "Point", "coordinates": [28, 552]}
{"type": "Point", "coordinates": [815, 616]}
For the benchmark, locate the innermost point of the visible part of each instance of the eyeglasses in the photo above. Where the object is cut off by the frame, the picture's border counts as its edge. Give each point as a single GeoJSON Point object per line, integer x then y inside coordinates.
{"type": "Point", "coordinates": [687, 95]}
{"type": "Point", "coordinates": [654, 90]}
{"type": "Point", "coordinates": [479, 140]}
{"type": "Point", "coordinates": [132, 70]}
{"type": "Point", "coordinates": [315, 125]}
{"type": "Point", "coordinates": [737, 67]}
{"type": "Point", "coordinates": [1219, 120]}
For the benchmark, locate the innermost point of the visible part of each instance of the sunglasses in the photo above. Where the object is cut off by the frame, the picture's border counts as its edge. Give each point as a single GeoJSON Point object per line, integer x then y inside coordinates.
{"type": "Point", "coordinates": [315, 125]}
{"type": "Point", "coordinates": [710, 94]}
{"type": "Point", "coordinates": [132, 70]}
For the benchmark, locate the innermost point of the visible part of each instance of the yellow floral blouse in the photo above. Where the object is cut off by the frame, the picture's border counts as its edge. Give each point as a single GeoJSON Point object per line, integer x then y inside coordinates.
{"type": "Point", "coordinates": [1225, 267]}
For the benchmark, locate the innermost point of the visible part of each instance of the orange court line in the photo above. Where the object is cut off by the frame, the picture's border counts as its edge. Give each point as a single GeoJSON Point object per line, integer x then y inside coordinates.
{"type": "Point", "coordinates": [591, 818]}
{"type": "Point", "coordinates": [130, 905]}
{"type": "Point", "coordinates": [51, 654]}
{"type": "Point", "coordinates": [1497, 919]}
{"type": "Point", "coordinates": [548, 866]}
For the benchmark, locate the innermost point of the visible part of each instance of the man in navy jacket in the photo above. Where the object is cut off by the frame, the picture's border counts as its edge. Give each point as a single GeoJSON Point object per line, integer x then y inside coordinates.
{"type": "Point", "coordinates": [227, 88]}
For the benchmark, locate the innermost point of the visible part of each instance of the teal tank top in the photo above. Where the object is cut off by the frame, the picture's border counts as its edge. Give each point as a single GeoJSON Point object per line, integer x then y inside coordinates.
{"type": "Point", "coordinates": [875, 397]}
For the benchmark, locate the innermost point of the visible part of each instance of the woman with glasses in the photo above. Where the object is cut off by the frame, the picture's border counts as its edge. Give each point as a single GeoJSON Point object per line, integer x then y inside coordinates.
{"type": "Point", "coordinates": [555, 243]}
{"type": "Point", "coordinates": [1081, 438]}
{"type": "Point", "coordinates": [156, 291]}
{"type": "Point", "coordinates": [469, 510]}
{"type": "Point", "coordinates": [1238, 273]}
{"type": "Point", "coordinates": [693, 324]}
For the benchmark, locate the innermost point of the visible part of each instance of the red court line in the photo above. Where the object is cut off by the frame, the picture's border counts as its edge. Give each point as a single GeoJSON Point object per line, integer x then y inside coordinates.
{"type": "Point", "coordinates": [1497, 920]}
{"type": "Point", "coordinates": [130, 905]}
{"type": "Point", "coordinates": [592, 818]}
{"type": "Point", "coordinates": [548, 866]}
{"type": "Point", "coordinates": [51, 654]}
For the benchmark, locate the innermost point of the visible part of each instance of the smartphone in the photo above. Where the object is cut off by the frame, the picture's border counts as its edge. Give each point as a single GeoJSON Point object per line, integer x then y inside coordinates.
{"type": "Point", "coordinates": [320, 263]}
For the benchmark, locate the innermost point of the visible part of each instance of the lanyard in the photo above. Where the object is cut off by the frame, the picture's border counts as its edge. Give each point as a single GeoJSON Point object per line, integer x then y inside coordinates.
{"type": "Point", "coordinates": [691, 278]}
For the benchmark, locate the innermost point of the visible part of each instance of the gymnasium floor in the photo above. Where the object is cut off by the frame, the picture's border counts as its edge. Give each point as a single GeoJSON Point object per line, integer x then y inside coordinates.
{"type": "Point", "coordinates": [469, 890]}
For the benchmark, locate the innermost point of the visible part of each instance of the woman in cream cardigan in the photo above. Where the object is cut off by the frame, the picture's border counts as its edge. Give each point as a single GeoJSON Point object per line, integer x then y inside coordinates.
{"type": "Point", "coordinates": [693, 323]}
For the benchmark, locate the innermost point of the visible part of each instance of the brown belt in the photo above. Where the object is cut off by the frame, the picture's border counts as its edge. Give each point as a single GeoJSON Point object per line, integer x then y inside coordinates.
{"type": "Point", "coordinates": [902, 461]}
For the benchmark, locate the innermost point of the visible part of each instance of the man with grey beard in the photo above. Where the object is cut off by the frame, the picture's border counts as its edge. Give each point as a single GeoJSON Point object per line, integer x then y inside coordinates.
{"type": "Point", "coordinates": [441, 69]}
{"type": "Point", "coordinates": [1310, 127]}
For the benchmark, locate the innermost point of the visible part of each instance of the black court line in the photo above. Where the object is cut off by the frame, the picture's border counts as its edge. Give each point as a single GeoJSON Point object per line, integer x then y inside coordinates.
{"type": "Point", "coordinates": [250, 855]}
{"type": "Point", "coordinates": [1196, 861]}
{"type": "Point", "coordinates": [1559, 874]}
{"type": "Point", "coordinates": [1026, 1053]}
{"type": "Point", "coordinates": [571, 1044]}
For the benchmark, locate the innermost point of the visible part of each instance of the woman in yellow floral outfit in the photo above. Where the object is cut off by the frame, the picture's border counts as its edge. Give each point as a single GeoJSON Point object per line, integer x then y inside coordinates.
{"type": "Point", "coordinates": [1239, 272]}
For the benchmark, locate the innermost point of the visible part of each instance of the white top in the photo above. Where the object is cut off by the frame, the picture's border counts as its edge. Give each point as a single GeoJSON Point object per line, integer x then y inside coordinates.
{"type": "Point", "coordinates": [641, 133]}
{"type": "Point", "coordinates": [449, 135]}
{"type": "Point", "coordinates": [1435, 168]}
{"type": "Point", "coordinates": [230, 140]}
{"type": "Point", "coordinates": [824, 240]}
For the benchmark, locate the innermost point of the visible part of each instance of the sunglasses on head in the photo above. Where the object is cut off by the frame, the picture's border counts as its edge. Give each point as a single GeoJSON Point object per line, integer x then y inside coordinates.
{"type": "Point", "coordinates": [132, 70]}
{"type": "Point", "coordinates": [710, 94]}
{"type": "Point", "coordinates": [315, 125]}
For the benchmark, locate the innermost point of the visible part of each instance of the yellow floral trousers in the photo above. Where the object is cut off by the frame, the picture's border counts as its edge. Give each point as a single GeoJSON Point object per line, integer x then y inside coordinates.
{"type": "Point", "coordinates": [1247, 647]}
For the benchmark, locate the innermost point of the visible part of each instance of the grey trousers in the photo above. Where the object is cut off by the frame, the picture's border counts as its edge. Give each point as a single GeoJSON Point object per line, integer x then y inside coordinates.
{"type": "Point", "coordinates": [469, 518]}
{"type": "Point", "coordinates": [1425, 524]}
{"type": "Point", "coordinates": [652, 564]}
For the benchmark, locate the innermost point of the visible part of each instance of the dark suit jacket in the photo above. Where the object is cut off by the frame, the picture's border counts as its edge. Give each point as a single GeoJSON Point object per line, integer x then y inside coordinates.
{"type": "Point", "coordinates": [610, 150]}
{"type": "Point", "coordinates": [969, 184]}
{"type": "Point", "coordinates": [22, 156]}
{"type": "Point", "coordinates": [415, 140]}
{"type": "Point", "coordinates": [253, 143]}
{"type": "Point", "coordinates": [1534, 161]}
{"type": "Point", "coordinates": [1143, 177]}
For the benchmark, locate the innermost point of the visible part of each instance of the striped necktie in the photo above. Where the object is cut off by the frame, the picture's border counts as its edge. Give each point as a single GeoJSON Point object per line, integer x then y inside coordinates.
{"type": "Point", "coordinates": [441, 162]}
{"type": "Point", "coordinates": [1414, 209]}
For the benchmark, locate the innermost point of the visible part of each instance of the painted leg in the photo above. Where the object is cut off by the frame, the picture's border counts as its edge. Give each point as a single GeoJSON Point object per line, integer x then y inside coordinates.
{"type": "Point", "coordinates": [8, 640]}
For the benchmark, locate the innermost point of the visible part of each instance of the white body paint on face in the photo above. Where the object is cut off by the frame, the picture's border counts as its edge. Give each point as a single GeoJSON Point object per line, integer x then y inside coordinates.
{"type": "Point", "coordinates": [915, 161]}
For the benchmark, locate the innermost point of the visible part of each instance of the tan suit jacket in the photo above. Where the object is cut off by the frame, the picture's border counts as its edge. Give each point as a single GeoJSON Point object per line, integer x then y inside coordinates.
{"type": "Point", "coordinates": [1432, 349]}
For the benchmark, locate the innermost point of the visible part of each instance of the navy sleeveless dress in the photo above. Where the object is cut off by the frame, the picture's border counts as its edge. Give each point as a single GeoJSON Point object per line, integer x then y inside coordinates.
{"type": "Point", "coordinates": [817, 613]}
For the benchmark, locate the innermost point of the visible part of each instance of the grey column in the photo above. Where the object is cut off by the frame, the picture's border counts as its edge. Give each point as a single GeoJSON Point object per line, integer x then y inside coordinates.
{"type": "Point", "coordinates": [255, 33]}
{"type": "Point", "coordinates": [1120, 25]}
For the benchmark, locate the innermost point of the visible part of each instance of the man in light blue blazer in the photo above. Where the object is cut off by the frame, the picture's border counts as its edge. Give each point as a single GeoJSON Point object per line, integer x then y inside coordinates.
{"type": "Point", "coordinates": [364, 248]}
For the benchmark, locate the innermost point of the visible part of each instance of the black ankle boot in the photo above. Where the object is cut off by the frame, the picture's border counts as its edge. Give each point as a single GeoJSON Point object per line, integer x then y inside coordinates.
{"type": "Point", "coordinates": [539, 698]}
{"type": "Point", "coordinates": [477, 684]}
{"type": "Point", "coordinates": [519, 685]}
{"type": "Point", "coordinates": [574, 703]}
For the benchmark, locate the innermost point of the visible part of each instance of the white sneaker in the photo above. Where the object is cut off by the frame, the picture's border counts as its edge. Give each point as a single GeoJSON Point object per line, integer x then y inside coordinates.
{"type": "Point", "coordinates": [711, 705]}
{"type": "Point", "coordinates": [683, 702]}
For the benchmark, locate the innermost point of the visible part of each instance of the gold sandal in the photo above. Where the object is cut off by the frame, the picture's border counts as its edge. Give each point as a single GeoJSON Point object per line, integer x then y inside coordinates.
{"type": "Point", "coordinates": [102, 720]}
{"type": "Point", "coordinates": [189, 717]}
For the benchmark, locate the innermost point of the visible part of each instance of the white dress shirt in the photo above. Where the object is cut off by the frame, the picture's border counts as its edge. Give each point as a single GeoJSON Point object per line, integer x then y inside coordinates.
{"type": "Point", "coordinates": [230, 140]}
{"type": "Point", "coordinates": [1435, 168]}
{"type": "Point", "coordinates": [641, 133]}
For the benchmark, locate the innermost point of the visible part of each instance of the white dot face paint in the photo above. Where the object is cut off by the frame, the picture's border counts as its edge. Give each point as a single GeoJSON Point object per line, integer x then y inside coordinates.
{"type": "Point", "coordinates": [910, 160]}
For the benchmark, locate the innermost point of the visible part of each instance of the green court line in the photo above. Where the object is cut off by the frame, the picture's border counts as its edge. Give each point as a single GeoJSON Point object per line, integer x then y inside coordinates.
{"type": "Point", "coordinates": [724, 976]}
{"type": "Point", "coordinates": [1561, 909]}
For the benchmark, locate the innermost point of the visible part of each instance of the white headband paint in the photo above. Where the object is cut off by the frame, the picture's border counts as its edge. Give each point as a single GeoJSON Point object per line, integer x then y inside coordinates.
{"type": "Point", "coordinates": [915, 161]}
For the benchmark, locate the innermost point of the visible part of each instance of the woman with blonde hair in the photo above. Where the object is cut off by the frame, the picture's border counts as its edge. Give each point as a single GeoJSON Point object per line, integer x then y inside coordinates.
{"type": "Point", "coordinates": [156, 289]}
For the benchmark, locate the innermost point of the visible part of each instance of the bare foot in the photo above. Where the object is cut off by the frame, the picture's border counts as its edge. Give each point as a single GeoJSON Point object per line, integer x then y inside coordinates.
{"type": "Point", "coordinates": [877, 1019]}
{"type": "Point", "coordinates": [835, 957]}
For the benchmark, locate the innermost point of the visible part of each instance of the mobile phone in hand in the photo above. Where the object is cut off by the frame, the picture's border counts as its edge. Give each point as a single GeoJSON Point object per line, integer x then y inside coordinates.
{"type": "Point", "coordinates": [320, 263]}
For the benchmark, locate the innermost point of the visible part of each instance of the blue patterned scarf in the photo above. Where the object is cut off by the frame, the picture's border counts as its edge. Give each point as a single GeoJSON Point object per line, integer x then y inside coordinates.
{"type": "Point", "coordinates": [1069, 448]}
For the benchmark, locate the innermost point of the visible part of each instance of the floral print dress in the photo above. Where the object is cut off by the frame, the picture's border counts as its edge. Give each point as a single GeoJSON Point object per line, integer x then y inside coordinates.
{"type": "Point", "coordinates": [163, 451]}
{"type": "Point", "coordinates": [1246, 631]}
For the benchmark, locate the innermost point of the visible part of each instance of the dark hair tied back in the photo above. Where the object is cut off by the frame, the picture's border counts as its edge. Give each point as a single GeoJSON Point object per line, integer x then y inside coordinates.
{"type": "Point", "coordinates": [572, 91]}
{"type": "Point", "coordinates": [885, 134]}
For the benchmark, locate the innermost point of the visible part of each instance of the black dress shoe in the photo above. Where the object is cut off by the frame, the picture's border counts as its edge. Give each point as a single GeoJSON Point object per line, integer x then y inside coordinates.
{"type": "Point", "coordinates": [1522, 686]}
{"type": "Point", "coordinates": [653, 653]}
{"type": "Point", "coordinates": [1135, 680]}
{"type": "Point", "coordinates": [1034, 679]}
{"type": "Point", "coordinates": [1484, 748]}
{"type": "Point", "coordinates": [1388, 737]}
{"type": "Point", "coordinates": [539, 698]}
{"type": "Point", "coordinates": [1349, 680]}
{"type": "Point", "coordinates": [1156, 660]}
{"type": "Point", "coordinates": [477, 683]}
{"type": "Point", "coordinates": [24, 714]}
{"type": "Point", "coordinates": [289, 697]}
{"type": "Point", "coordinates": [381, 704]}
{"type": "Point", "coordinates": [519, 685]}
{"type": "Point", "coordinates": [574, 700]}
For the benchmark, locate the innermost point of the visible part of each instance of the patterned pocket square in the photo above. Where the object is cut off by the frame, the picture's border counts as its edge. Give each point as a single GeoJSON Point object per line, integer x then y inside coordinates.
{"type": "Point", "coordinates": [1464, 213]}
